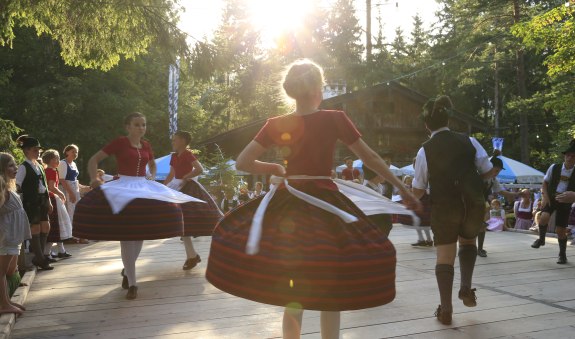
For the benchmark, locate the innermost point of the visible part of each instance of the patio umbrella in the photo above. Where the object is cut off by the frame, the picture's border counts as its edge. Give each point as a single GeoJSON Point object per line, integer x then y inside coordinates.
{"type": "Point", "coordinates": [517, 172]}
{"type": "Point", "coordinates": [358, 164]}
{"type": "Point", "coordinates": [162, 166]}
{"type": "Point", "coordinates": [409, 170]}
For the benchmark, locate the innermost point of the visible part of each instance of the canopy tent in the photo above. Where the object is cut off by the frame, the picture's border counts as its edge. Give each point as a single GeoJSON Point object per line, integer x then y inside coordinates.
{"type": "Point", "coordinates": [514, 172]}
{"type": "Point", "coordinates": [519, 173]}
{"type": "Point", "coordinates": [359, 164]}
{"type": "Point", "coordinates": [162, 167]}
{"type": "Point", "coordinates": [408, 170]}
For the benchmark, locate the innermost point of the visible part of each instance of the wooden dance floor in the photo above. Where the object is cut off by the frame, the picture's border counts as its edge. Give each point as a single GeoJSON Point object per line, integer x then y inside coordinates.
{"type": "Point", "coordinates": [522, 293]}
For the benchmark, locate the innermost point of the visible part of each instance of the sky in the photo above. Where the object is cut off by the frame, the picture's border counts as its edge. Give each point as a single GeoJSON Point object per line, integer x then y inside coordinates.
{"type": "Point", "coordinates": [202, 17]}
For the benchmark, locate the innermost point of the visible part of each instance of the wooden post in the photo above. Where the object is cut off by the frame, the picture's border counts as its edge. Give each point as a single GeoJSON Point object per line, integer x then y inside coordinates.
{"type": "Point", "coordinates": [368, 30]}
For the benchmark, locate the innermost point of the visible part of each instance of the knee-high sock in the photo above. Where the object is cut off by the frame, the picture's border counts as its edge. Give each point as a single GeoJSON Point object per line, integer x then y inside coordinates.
{"type": "Point", "coordinates": [542, 232]}
{"type": "Point", "coordinates": [562, 247]}
{"type": "Point", "coordinates": [43, 240]}
{"type": "Point", "coordinates": [37, 248]}
{"type": "Point", "coordinates": [130, 252]}
{"type": "Point", "coordinates": [428, 235]}
{"type": "Point", "coordinates": [480, 240]}
{"type": "Point", "coordinates": [190, 251]}
{"type": "Point", "coordinates": [420, 235]}
{"type": "Point", "coordinates": [467, 256]}
{"type": "Point", "coordinates": [47, 249]}
{"type": "Point", "coordinates": [444, 275]}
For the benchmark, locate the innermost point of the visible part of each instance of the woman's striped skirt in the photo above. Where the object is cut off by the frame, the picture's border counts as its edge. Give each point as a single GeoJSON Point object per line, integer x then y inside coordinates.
{"type": "Point", "coordinates": [60, 224]}
{"type": "Point", "coordinates": [200, 219]}
{"type": "Point", "coordinates": [308, 258]}
{"type": "Point", "coordinates": [141, 219]}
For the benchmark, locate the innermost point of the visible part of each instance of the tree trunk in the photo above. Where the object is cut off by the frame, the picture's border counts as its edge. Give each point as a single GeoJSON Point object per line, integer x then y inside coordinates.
{"type": "Point", "coordinates": [522, 91]}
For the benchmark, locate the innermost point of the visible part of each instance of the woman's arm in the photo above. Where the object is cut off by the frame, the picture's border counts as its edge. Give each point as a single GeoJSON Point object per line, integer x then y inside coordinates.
{"type": "Point", "coordinates": [153, 169]}
{"type": "Point", "coordinates": [376, 163]}
{"type": "Point", "coordinates": [247, 161]}
{"type": "Point", "coordinates": [197, 169]}
{"type": "Point", "coordinates": [54, 189]}
{"type": "Point", "coordinates": [170, 176]}
{"type": "Point", "coordinates": [93, 168]}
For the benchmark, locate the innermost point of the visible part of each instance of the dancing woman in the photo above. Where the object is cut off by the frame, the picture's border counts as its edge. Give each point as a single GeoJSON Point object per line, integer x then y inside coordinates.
{"type": "Point", "coordinates": [305, 245]}
{"type": "Point", "coordinates": [133, 208]}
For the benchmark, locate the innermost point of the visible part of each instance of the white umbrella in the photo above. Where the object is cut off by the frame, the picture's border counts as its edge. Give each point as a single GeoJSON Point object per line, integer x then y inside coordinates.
{"type": "Point", "coordinates": [409, 170]}
{"type": "Point", "coordinates": [358, 164]}
{"type": "Point", "coordinates": [517, 172]}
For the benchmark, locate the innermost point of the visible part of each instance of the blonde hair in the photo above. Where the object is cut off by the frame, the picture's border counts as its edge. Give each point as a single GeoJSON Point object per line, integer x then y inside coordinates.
{"type": "Point", "coordinates": [496, 201]}
{"type": "Point", "coordinates": [49, 155]}
{"type": "Point", "coordinates": [302, 78]}
{"type": "Point", "coordinates": [5, 159]}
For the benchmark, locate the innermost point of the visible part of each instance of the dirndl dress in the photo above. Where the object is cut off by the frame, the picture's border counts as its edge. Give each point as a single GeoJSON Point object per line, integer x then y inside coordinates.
{"type": "Point", "coordinates": [496, 221]}
{"type": "Point", "coordinates": [60, 224]}
{"type": "Point", "coordinates": [304, 246]}
{"type": "Point", "coordinates": [130, 208]}
{"type": "Point", "coordinates": [425, 216]}
{"type": "Point", "coordinates": [199, 218]}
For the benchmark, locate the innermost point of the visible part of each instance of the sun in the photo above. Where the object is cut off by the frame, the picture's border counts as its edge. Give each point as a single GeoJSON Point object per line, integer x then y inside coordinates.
{"type": "Point", "coordinates": [275, 17]}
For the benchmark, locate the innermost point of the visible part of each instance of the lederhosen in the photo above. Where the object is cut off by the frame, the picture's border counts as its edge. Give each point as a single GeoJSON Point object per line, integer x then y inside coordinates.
{"type": "Point", "coordinates": [35, 203]}
{"type": "Point", "coordinates": [563, 209]}
{"type": "Point", "coordinates": [456, 189]}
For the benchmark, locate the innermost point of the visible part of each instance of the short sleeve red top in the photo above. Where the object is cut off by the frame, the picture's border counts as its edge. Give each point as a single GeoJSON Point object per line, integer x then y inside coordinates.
{"type": "Point", "coordinates": [307, 142]}
{"type": "Point", "coordinates": [52, 175]}
{"type": "Point", "coordinates": [182, 163]}
{"type": "Point", "coordinates": [350, 174]}
{"type": "Point", "coordinates": [131, 160]}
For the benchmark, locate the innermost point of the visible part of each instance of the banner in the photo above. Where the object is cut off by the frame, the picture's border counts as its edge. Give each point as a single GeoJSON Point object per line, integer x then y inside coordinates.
{"type": "Point", "coordinates": [173, 86]}
{"type": "Point", "coordinates": [498, 144]}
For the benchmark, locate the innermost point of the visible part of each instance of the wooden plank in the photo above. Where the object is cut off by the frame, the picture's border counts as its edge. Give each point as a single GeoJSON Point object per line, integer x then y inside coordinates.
{"type": "Point", "coordinates": [517, 284]}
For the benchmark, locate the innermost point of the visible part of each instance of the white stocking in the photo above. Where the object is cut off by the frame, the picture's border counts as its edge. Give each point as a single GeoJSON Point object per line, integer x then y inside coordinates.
{"type": "Point", "coordinates": [130, 252]}
{"type": "Point", "coordinates": [190, 251]}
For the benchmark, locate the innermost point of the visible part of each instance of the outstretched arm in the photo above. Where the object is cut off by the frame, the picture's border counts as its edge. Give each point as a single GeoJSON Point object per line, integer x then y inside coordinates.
{"type": "Point", "coordinates": [377, 164]}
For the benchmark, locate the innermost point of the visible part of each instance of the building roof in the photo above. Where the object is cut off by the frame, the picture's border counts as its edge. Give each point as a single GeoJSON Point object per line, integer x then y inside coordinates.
{"type": "Point", "coordinates": [242, 135]}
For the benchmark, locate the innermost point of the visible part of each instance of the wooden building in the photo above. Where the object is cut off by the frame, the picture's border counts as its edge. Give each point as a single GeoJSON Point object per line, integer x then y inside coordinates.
{"type": "Point", "coordinates": [387, 115]}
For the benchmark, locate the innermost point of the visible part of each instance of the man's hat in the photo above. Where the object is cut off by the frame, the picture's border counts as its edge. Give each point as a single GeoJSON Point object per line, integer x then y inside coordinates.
{"type": "Point", "coordinates": [28, 142]}
{"type": "Point", "coordinates": [496, 162]}
{"type": "Point", "coordinates": [571, 148]}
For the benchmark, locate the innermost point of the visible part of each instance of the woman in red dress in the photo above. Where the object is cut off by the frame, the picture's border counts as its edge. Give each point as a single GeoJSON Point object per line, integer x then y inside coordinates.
{"type": "Point", "coordinates": [60, 224]}
{"type": "Point", "coordinates": [130, 209]}
{"type": "Point", "coordinates": [199, 219]}
{"type": "Point", "coordinates": [305, 245]}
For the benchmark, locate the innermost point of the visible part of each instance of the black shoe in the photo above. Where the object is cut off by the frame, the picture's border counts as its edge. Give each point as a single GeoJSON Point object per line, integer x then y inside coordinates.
{"type": "Point", "coordinates": [482, 253]}
{"type": "Point", "coordinates": [562, 260]}
{"type": "Point", "coordinates": [429, 243]}
{"type": "Point", "coordinates": [421, 243]}
{"type": "Point", "coordinates": [125, 283]}
{"type": "Point", "coordinates": [64, 255]}
{"type": "Point", "coordinates": [45, 266]}
{"type": "Point", "coordinates": [191, 263]}
{"type": "Point", "coordinates": [467, 295]}
{"type": "Point", "coordinates": [50, 259]}
{"type": "Point", "coordinates": [538, 243]}
{"type": "Point", "coordinates": [132, 293]}
{"type": "Point", "coordinates": [443, 317]}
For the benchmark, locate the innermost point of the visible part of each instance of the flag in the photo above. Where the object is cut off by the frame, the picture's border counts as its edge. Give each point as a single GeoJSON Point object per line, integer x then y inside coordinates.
{"type": "Point", "coordinates": [173, 86]}
{"type": "Point", "coordinates": [498, 144]}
